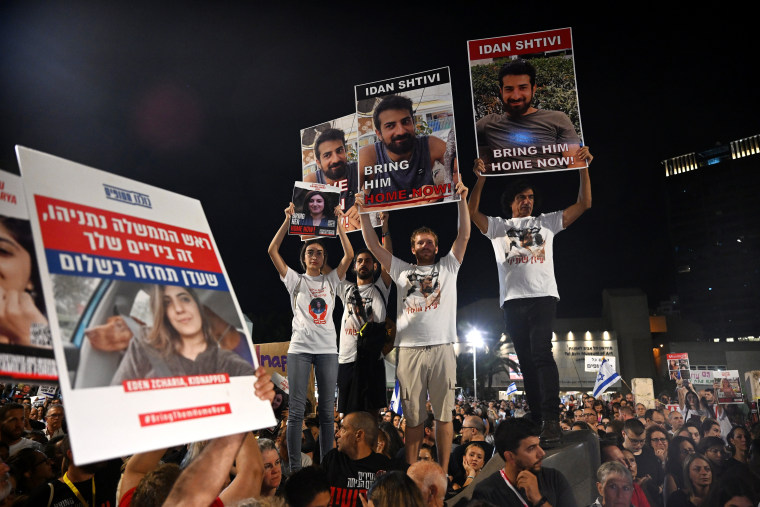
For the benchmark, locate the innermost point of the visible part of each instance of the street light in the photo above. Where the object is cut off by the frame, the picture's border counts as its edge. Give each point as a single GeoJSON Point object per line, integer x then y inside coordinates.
{"type": "Point", "coordinates": [476, 339]}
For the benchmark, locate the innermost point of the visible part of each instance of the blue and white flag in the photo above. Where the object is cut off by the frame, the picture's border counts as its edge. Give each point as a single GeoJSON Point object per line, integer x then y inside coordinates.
{"type": "Point", "coordinates": [605, 378]}
{"type": "Point", "coordinates": [512, 388]}
{"type": "Point", "coordinates": [396, 399]}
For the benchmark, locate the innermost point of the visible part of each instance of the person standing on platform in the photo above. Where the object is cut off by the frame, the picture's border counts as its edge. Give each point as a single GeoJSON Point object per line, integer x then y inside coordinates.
{"type": "Point", "coordinates": [425, 327]}
{"type": "Point", "coordinates": [527, 287]}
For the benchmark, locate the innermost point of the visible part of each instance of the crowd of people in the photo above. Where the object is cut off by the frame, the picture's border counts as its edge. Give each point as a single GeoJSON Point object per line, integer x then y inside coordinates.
{"type": "Point", "coordinates": [648, 458]}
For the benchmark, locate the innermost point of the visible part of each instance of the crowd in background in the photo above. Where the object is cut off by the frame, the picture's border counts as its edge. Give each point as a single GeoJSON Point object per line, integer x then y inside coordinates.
{"type": "Point", "coordinates": [650, 457]}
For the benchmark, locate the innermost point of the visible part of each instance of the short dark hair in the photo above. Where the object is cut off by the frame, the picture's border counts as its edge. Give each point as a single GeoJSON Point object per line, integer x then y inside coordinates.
{"type": "Point", "coordinates": [368, 424]}
{"type": "Point", "coordinates": [329, 135]}
{"type": "Point", "coordinates": [304, 485]}
{"type": "Point", "coordinates": [707, 424]}
{"type": "Point", "coordinates": [508, 197]}
{"type": "Point", "coordinates": [708, 442]}
{"type": "Point", "coordinates": [693, 424]}
{"type": "Point", "coordinates": [361, 251]}
{"type": "Point", "coordinates": [8, 407]}
{"type": "Point", "coordinates": [511, 432]}
{"type": "Point", "coordinates": [307, 244]}
{"type": "Point", "coordinates": [392, 102]}
{"type": "Point", "coordinates": [636, 426]}
{"type": "Point", "coordinates": [518, 67]}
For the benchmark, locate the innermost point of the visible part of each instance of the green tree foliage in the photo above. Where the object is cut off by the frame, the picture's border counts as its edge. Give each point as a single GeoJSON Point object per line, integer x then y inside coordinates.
{"type": "Point", "coordinates": [555, 87]}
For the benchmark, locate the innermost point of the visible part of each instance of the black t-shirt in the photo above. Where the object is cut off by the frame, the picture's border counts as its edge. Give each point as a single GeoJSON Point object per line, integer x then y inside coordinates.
{"type": "Point", "coordinates": [551, 483]}
{"type": "Point", "coordinates": [647, 463]}
{"type": "Point", "coordinates": [349, 478]}
{"type": "Point", "coordinates": [106, 481]}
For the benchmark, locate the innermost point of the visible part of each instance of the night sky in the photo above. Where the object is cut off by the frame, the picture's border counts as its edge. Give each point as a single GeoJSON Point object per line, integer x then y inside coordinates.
{"type": "Point", "coordinates": [207, 100]}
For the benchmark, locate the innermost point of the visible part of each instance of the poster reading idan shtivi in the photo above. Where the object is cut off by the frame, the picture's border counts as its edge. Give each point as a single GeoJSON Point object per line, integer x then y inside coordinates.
{"type": "Point", "coordinates": [26, 351]}
{"type": "Point", "coordinates": [142, 315]}
{"type": "Point", "coordinates": [525, 102]}
{"type": "Point", "coordinates": [407, 141]}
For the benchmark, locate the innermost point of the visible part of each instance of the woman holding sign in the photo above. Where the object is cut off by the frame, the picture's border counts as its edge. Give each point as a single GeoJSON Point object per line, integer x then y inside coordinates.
{"type": "Point", "coordinates": [314, 340]}
{"type": "Point", "coordinates": [316, 210]}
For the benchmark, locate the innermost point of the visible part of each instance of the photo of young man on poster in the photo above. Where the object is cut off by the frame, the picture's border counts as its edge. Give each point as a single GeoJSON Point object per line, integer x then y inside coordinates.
{"type": "Point", "coordinates": [525, 101]}
{"type": "Point", "coordinates": [409, 163]}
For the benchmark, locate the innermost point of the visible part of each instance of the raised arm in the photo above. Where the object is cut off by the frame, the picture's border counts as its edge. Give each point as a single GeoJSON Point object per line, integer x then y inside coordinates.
{"type": "Point", "coordinates": [250, 473]}
{"type": "Point", "coordinates": [463, 234]}
{"type": "Point", "coordinates": [478, 218]}
{"type": "Point", "coordinates": [387, 244]}
{"type": "Point", "coordinates": [200, 483]}
{"type": "Point", "coordinates": [370, 237]}
{"type": "Point", "coordinates": [348, 250]}
{"type": "Point", "coordinates": [583, 203]}
{"type": "Point", "coordinates": [137, 467]}
{"type": "Point", "coordinates": [274, 246]}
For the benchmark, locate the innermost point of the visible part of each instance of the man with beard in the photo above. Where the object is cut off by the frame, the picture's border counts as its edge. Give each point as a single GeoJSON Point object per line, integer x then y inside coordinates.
{"type": "Point", "coordinates": [406, 159]}
{"type": "Point", "coordinates": [373, 296]}
{"type": "Point", "coordinates": [527, 287]}
{"type": "Point", "coordinates": [334, 169]}
{"type": "Point", "coordinates": [523, 481]}
{"type": "Point", "coordinates": [12, 429]}
{"type": "Point", "coordinates": [523, 132]}
{"type": "Point", "coordinates": [425, 333]}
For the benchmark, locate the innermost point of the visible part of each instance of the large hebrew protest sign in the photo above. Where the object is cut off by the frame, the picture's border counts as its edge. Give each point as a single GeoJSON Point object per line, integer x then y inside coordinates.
{"type": "Point", "coordinates": [407, 141]}
{"type": "Point", "coordinates": [142, 314]}
{"type": "Point", "coordinates": [525, 102]}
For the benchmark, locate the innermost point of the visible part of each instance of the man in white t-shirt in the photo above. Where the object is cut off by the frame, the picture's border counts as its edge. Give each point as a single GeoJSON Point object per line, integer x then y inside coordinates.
{"type": "Point", "coordinates": [527, 288]}
{"type": "Point", "coordinates": [425, 327]}
{"type": "Point", "coordinates": [361, 387]}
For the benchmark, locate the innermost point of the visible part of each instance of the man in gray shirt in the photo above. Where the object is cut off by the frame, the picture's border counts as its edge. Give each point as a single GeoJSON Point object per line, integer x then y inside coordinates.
{"type": "Point", "coordinates": [524, 138]}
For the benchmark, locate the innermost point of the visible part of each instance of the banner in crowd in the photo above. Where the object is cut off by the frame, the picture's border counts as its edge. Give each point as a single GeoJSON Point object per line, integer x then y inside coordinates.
{"type": "Point", "coordinates": [407, 142]}
{"type": "Point", "coordinates": [593, 363]}
{"type": "Point", "coordinates": [143, 317]}
{"type": "Point", "coordinates": [314, 214]}
{"type": "Point", "coordinates": [525, 102]}
{"type": "Point", "coordinates": [701, 378]}
{"type": "Point", "coordinates": [727, 386]}
{"type": "Point", "coordinates": [678, 366]}
{"type": "Point", "coordinates": [26, 351]}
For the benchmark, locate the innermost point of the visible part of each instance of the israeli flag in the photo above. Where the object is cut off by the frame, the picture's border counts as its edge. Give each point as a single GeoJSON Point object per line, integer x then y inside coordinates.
{"type": "Point", "coordinates": [396, 399]}
{"type": "Point", "coordinates": [512, 388]}
{"type": "Point", "coordinates": [605, 378]}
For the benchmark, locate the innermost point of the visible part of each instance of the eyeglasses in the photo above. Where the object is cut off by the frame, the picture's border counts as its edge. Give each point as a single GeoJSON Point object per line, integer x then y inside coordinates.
{"type": "Point", "coordinates": [636, 440]}
{"type": "Point", "coordinates": [468, 427]}
{"type": "Point", "coordinates": [687, 452]}
{"type": "Point", "coordinates": [659, 440]}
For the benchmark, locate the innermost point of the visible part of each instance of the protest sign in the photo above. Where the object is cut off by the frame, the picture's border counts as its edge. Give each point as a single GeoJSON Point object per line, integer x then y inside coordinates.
{"type": "Point", "coordinates": [407, 142]}
{"type": "Point", "coordinates": [727, 386]}
{"type": "Point", "coordinates": [701, 378]}
{"type": "Point", "coordinates": [314, 214]}
{"type": "Point", "coordinates": [26, 351]}
{"type": "Point", "coordinates": [525, 102]}
{"type": "Point", "coordinates": [145, 320]}
{"type": "Point", "coordinates": [678, 366]}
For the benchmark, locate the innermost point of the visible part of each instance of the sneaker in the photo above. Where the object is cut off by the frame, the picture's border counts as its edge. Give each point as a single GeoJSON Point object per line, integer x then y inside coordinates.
{"type": "Point", "coordinates": [551, 434]}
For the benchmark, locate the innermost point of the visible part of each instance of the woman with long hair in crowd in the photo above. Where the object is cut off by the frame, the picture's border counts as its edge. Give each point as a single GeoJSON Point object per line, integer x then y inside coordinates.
{"type": "Point", "coordinates": [313, 340]}
{"type": "Point", "coordinates": [679, 449]}
{"type": "Point", "coordinates": [698, 482]}
{"type": "Point", "coordinates": [738, 445]}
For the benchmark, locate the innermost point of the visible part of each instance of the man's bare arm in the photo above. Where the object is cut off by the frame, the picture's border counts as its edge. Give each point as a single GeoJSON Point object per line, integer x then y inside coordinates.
{"type": "Point", "coordinates": [250, 472]}
{"type": "Point", "coordinates": [200, 483]}
{"type": "Point", "coordinates": [370, 237]}
{"type": "Point", "coordinates": [387, 244]}
{"type": "Point", "coordinates": [463, 235]}
{"type": "Point", "coordinates": [572, 213]}
{"type": "Point", "coordinates": [478, 218]}
{"type": "Point", "coordinates": [274, 246]}
{"type": "Point", "coordinates": [348, 250]}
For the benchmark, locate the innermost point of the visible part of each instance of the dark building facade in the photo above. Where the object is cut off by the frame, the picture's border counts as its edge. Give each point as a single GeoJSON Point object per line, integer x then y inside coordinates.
{"type": "Point", "coordinates": [714, 224]}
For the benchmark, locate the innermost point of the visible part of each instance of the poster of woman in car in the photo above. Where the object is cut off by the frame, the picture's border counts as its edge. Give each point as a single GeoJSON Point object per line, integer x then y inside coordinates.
{"type": "Point", "coordinates": [145, 318]}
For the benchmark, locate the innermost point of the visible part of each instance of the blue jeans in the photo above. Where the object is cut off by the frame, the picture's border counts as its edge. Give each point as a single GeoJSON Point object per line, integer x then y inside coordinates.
{"type": "Point", "coordinates": [326, 372]}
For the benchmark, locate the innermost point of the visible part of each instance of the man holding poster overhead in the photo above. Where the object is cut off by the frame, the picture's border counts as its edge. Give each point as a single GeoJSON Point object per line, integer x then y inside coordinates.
{"type": "Point", "coordinates": [425, 327]}
{"type": "Point", "coordinates": [527, 288]}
